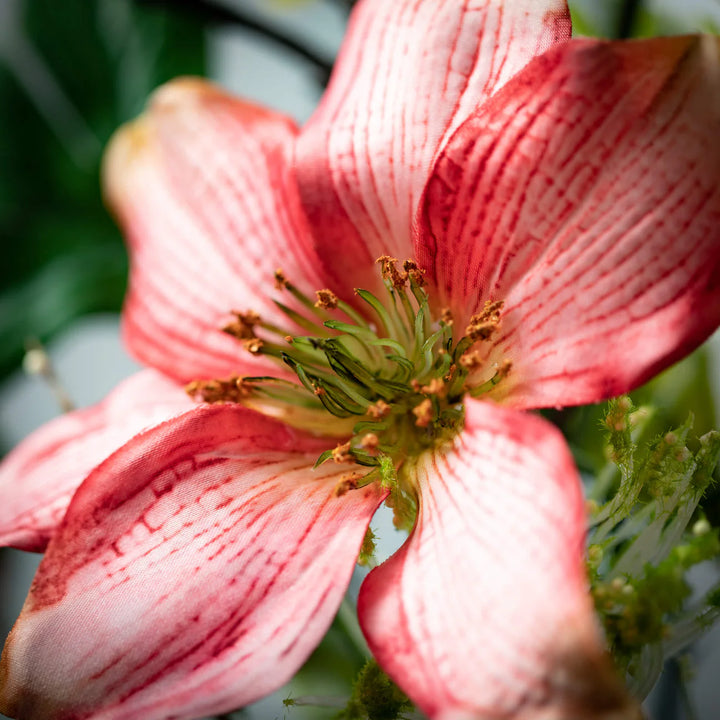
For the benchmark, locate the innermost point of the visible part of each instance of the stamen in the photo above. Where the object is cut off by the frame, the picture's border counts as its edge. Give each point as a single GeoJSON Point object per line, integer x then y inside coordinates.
{"type": "Point", "coordinates": [483, 324]}
{"type": "Point", "coordinates": [341, 453]}
{"type": "Point", "coordinates": [435, 387]}
{"type": "Point", "coordinates": [301, 320]}
{"type": "Point", "coordinates": [280, 280]}
{"type": "Point", "coordinates": [414, 272]}
{"type": "Point", "coordinates": [395, 384]}
{"type": "Point", "coordinates": [391, 273]}
{"type": "Point", "coordinates": [347, 483]}
{"type": "Point", "coordinates": [471, 360]}
{"type": "Point", "coordinates": [379, 410]}
{"type": "Point", "coordinates": [243, 327]}
{"type": "Point", "coordinates": [502, 372]}
{"type": "Point", "coordinates": [234, 389]}
{"type": "Point", "coordinates": [423, 413]}
{"type": "Point", "coordinates": [370, 442]}
{"type": "Point", "coordinates": [326, 299]}
{"type": "Point", "coordinates": [254, 345]}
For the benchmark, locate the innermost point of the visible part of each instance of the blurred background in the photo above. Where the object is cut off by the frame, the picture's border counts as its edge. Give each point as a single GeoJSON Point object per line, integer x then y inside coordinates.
{"type": "Point", "coordinates": [70, 73]}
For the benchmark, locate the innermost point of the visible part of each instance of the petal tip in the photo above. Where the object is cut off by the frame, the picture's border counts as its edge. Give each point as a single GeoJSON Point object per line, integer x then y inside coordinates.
{"type": "Point", "coordinates": [124, 149]}
{"type": "Point", "coordinates": [180, 92]}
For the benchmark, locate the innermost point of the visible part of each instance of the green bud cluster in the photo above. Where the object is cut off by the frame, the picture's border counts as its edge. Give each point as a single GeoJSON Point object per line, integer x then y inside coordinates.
{"type": "Point", "coordinates": [375, 697]}
{"type": "Point", "coordinates": [646, 537]}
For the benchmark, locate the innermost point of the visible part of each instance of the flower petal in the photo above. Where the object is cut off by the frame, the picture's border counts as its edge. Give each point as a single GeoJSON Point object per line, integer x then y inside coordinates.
{"type": "Point", "coordinates": [194, 572]}
{"type": "Point", "coordinates": [408, 74]}
{"type": "Point", "coordinates": [202, 187]}
{"type": "Point", "coordinates": [586, 195]}
{"type": "Point", "coordinates": [38, 478]}
{"type": "Point", "coordinates": [485, 612]}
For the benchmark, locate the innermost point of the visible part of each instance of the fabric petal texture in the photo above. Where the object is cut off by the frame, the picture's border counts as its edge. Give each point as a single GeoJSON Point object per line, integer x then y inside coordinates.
{"type": "Point", "coordinates": [484, 612]}
{"type": "Point", "coordinates": [38, 478]}
{"type": "Point", "coordinates": [202, 186]}
{"type": "Point", "coordinates": [408, 74]}
{"type": "Point", "coordinates": [202, 580]}
{"type": "Point", "coordinates": [585, 196]}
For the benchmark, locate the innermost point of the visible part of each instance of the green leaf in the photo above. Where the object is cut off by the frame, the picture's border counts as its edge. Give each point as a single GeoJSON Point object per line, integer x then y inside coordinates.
{"type": "Point", "coordinates": [72, 72]}
{"type": "Point", "coordinates": [83, 281]}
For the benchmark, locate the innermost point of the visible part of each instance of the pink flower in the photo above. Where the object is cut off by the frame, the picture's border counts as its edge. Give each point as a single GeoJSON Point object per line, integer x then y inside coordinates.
{"type": "Point", "coordinates": [562, 200]}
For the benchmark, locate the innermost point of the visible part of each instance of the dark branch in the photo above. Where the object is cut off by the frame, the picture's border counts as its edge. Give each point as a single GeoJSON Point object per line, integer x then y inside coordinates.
{"type": "Point", "coordinates": [629, 11]}
{"type": "Point", "coordinates": [212, 14]}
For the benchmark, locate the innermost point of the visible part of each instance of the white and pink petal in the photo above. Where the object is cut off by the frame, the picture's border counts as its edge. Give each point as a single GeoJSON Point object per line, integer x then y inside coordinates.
{"type": "Point", "coordinates": [194, 572]}
{"type": "Point", "coordinates": [586, 196]}
{"type": "Point", "coordinates": [409, 72]}
{"type": "Point", "coordinates": [39, 477]}
{"type": "Point", "coordinates": [485, 611]}
{"type": "Point", "coordinates": [202, 186]}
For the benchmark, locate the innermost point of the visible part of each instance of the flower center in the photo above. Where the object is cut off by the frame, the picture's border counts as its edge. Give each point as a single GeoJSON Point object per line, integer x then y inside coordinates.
{"type": "Point", "coordinates": [394, 378]}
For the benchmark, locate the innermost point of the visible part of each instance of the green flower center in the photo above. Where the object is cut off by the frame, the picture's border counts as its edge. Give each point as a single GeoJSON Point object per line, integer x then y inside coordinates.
{"type": "Point", "coordinates": [394, 377]}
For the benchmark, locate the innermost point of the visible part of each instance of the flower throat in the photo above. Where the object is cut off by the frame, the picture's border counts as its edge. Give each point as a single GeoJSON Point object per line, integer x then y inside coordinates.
{"type": "Point", "coordinates": [394, 383]}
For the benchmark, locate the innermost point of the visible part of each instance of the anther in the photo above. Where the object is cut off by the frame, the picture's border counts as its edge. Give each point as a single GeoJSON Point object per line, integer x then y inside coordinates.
{"type": "Point", "coordinates": [370, 442]}
{"type": "Point", "coordinates": [379, 410]}
{"type": "Point", "coordinates": [280, 280]}
{"type": "Point", "coordinates": [233, 389]}
{"type": "Point", "coordinates": [326, 299]}
{"type": "Point", "coordinates": [471, 360]}
{"type": "Point", "coordinates": [342, 453]}
{"type": "Point", "coordinates": [414, 272]}
{"type": "Point", "coordinates": [243, 327]}
{"type": "Point", "coordinates": [423, 413]}
{"type": "Point", "coordinates": [504, 370]}
{"type": "Point", "coordinates": [446, 316]}
{"type": "Point", "coordinates": [346, 483]}
{"type": "Point", "coordinates": [451, 373]}
{"type": "Point", "coordinates": [483, 325]}
{"type": "Point", "coordinates": [254, 345]}
{"type": "Point", "coordinates": [481, 330]}
{"type": "Point", "coordinates": [390, 272]}
{"type": "Point", "coordinates": [435, 387]}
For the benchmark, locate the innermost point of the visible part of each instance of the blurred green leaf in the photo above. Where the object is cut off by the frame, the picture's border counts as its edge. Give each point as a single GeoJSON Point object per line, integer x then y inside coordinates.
{"type": "Point", "coordinates": [70, 74]}
{"type": "Point", "coordinates": [75, 283]}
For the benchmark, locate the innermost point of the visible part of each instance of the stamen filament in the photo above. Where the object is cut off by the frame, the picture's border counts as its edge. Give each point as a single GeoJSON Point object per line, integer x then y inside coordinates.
{"type": "Point", "coordinates": [301, 320]}
{"type": "Point", "coordinates": [379, 309]}
{"type": "Point", "coordinates": [353, 314]}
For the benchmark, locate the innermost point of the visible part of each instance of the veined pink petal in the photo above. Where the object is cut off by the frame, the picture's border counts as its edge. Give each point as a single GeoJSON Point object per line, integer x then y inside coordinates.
{"type": "Point", "coordinates": [586, 195]}
{"type": "Point", "coordinates": [484, 613]}
{"type": "Point", "coordinates": [194, 572]}
{"type": "Point", "coordinates": [202, 187]}
{"type": "Point", "coordinates": [38, 478]}
{"type": "Point", "coordinates": [409, 72]}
